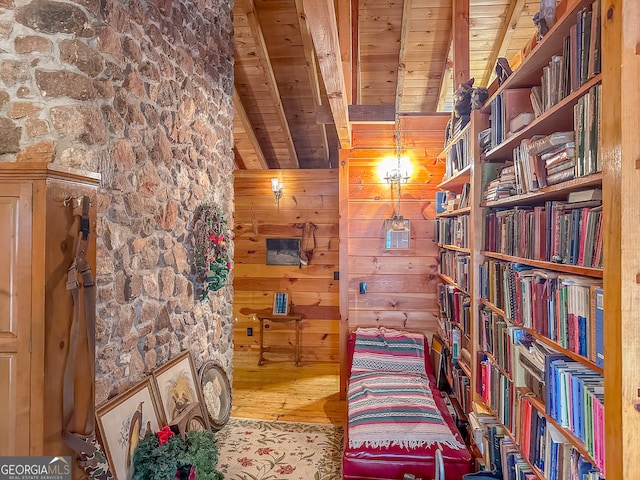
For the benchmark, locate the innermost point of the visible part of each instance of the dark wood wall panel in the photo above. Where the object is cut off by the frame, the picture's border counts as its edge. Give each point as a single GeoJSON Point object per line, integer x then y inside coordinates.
{"type": "Point", "coordinates": [309, 196]}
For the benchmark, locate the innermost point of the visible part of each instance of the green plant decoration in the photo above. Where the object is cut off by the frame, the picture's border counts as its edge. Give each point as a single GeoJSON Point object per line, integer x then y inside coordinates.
{"type": "Point", "coordinates": [212, 236]}
{"type": "Point", "coordinates": [155, 459]}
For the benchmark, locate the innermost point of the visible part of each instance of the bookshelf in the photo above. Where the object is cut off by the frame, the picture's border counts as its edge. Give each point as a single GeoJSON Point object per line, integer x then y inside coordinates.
{"type": "Point", "coordinates": [550, 252]}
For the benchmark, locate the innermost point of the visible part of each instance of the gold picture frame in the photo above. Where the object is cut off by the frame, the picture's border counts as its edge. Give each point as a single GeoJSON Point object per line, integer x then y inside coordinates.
{"type": "Point", "coordinates": [280, 303]}
{"type": "Point", "coordinates": [178, 388]}
{"type": "Point", "coordinates": [124, 420]}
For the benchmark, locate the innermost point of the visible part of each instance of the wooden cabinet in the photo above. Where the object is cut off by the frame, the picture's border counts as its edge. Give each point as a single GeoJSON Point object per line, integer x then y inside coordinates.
{"type": "Point", "coordinates": [39, 214]}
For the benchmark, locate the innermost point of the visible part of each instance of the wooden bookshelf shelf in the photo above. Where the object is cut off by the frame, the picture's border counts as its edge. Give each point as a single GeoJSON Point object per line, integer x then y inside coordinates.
{"type": "Point", "coordinates": [546, 340]}
{"type": "Point", "coordinates": [451, 281]}
{"type": "Point", "coordinates": [497, 365]}
{"type": "Point", "coordinates": [571, 438]}
{"type": "Point", "coordinates": [456, 181]}
{"type": "Point", "coordinates": [454, 213]}
{"type": "Point", "coordinates": [556, 119]}
{"type": "Point", "coordinates": [557, 267]}
{"type": "Point", "coordinates": [553, 192]}
{"type": "Point", "coordinates": [453, 247]}
{"type": "Point", "coordinates": [465, 368]}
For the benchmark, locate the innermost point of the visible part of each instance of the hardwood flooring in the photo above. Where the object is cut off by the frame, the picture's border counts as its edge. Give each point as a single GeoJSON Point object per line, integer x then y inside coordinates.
{"type": "Point", "coordinates": [278, 390]}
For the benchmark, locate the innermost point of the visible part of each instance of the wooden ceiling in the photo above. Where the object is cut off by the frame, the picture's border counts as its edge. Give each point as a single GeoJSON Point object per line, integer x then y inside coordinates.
{"type": "Point", "coordinates": [375, 58]}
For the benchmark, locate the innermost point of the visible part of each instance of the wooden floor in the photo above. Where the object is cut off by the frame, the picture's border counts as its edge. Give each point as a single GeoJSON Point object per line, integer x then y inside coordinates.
{"type": "Point", "coordinates": [278, 390]}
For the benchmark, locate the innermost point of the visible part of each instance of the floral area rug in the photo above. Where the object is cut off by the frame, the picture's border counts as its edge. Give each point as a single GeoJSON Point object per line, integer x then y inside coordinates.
{"type": "Point", "coordinates": [269, 450]}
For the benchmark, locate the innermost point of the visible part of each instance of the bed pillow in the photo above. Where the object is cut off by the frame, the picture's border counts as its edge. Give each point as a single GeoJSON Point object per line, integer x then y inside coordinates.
{"type": "Point", "coordinates": [388, 350]}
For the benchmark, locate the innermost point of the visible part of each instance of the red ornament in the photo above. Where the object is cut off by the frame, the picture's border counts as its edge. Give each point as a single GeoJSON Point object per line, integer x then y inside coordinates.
{"type": "Point", "coordinates": [164, 434]}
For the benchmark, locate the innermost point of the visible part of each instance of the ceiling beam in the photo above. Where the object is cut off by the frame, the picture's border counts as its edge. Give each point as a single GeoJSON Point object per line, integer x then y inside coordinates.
{"type": "Point", "coordinates": [310, 57]}
{"type": "Point", "coordinates": [372, 113]}
{"type": "Point", "coordinates": [446, 88]}
{"type": "Point", "coordinates": [321, 19]}
{"type": "Point", "coordinates": [259, 163]}
{"type": "Point", "coordinates": [402, 60]}
{"type": "Point", "coordinates": [346, 39]}
{"type": "Point", "coordinates": [270, 79]}
{"type": "Point", "coordinates": [504, 39]}
{"type": "Point", "coordinates": [460, 42]}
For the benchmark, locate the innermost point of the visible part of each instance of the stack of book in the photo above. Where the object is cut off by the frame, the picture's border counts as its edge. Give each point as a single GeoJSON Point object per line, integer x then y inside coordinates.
{"type": "Point", "coordinates": [503, 186]}
{"type": "Point", "coordinates": [530, 165]}
{"type": "Point", "coordinates": [560, 163]}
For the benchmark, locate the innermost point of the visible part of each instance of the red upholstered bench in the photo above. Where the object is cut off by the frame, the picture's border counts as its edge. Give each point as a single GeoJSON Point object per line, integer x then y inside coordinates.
{"type": "Point", "coordinates": [393, 462]}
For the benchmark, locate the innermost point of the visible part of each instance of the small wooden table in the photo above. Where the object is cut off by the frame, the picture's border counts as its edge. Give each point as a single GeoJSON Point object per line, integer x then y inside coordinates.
{"type": "Point", "coordinates": [291, 317]}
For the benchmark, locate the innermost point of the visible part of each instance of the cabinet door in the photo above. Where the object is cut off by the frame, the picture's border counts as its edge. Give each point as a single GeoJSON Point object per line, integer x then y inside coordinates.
{"type": "Point", "coordinates": [15, 318]}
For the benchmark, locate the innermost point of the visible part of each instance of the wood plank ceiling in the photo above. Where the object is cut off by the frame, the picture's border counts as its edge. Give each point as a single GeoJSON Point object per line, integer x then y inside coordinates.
{"type": "Point", "coordinates": [290, 53]}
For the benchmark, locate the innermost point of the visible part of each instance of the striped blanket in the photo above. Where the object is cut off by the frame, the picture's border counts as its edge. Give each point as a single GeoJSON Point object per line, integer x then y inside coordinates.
{"type": "Point", "coordinates": [393, 407]}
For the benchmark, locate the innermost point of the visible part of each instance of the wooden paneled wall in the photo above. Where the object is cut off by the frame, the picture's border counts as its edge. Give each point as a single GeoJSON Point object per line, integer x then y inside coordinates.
{"type": "Point", "coordinates": [401, 284]}
{"type": "Point", "coordinates": [309, 196]}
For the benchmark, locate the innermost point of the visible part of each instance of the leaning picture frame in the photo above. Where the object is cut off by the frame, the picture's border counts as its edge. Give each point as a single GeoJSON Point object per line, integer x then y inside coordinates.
{"type": "Point", "coordinates": [280, 303]}
{"type": "Point", "coordinates": [124, 420]}
{"type": "Point", "coordinates": [216, 390]}
{"type": "Point", "coordinates": [180, 395]}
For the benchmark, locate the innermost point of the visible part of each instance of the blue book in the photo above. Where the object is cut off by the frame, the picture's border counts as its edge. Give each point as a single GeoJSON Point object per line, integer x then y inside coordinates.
{"type": "Point", "coordinates": [440, 207]}
{"type": "Point", "coordinates": [598, 300]}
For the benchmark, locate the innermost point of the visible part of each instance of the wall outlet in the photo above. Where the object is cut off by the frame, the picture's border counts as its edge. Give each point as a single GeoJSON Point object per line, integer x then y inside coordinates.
{"type": "Point", "coordinates": [249, 331]}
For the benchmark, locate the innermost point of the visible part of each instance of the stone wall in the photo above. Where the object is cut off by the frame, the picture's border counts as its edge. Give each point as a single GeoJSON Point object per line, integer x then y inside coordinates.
{"type": "Point", "coordinates": [141, 93]}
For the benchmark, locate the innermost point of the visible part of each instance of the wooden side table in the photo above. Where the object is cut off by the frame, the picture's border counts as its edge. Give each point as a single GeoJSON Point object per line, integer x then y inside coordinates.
{"type": "Point", "coordinates": [291, 317]}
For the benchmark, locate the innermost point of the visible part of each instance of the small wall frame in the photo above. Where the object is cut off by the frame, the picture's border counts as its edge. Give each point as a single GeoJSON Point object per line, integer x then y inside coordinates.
{"type": "Point", "coordinates": [280, 303]}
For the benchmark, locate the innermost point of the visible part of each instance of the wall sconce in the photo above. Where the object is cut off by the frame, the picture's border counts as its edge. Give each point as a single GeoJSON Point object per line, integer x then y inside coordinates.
{"type": "Point", "coordinates": [395, 171]}
{"type": "Point", "coordinates": [276, 188]}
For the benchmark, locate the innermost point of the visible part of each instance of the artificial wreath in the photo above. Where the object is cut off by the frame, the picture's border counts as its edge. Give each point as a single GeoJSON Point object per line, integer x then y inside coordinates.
{"type": "Point", "coordinates": [212, 235]}
{"type": "Point", "coordinates": [165, 456]}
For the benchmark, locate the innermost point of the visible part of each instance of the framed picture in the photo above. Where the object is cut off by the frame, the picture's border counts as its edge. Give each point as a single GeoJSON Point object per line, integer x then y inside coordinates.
{"type": "Point", "coordinates": [180, 395]}
{"type": "Point", "coordinates": [216, 391]}
{"type": "Point", "coordinates": [283, 251]}
{"type": "Point", "coordinates": [126, 419]}
{"type": "Point", "coordinates": [280, 303]}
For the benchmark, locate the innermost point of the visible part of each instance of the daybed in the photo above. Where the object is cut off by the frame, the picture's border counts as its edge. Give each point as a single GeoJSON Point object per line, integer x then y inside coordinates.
{"type": "Point", "coordinates": [397, 419]}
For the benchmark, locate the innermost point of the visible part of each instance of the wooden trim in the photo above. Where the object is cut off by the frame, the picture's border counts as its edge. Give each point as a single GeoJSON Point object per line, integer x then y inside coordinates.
{"type": "Point", "coordinates": [557, 267]}
{"type": "Point", "coordinates": [344, 267]}
{"type": "Point", "coordinates": [620, 149]}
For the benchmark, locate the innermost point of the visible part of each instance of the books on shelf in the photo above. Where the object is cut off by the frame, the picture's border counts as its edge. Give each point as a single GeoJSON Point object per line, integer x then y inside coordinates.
{"type": "Point", "coordinates": [568, 233]}
{"type": "Point", "coordinates": [452, 231]}
{"type": "Point", "coordinates": [505, 108]}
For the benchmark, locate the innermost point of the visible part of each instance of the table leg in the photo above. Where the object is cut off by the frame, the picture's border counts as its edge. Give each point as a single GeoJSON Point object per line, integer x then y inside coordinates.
{"type": "Point", "coordinates": [261, 354]}
{"type": "Point", "coordinates": [297, 343]}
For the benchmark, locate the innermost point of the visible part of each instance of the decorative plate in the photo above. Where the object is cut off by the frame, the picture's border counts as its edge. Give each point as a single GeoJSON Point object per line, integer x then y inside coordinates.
{"type": "Point", "coordinates": [216, 391]}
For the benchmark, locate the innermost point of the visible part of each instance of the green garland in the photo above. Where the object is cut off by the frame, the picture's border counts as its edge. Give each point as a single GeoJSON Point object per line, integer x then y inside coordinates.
{"type": "Point", "coordinates": [212, 238]}
{"type": "Point", "coordinates": [155, 461]}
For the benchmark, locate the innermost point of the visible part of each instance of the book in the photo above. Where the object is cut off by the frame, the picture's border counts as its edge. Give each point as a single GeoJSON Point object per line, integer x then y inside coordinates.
{"type": "Point", "coordinates": [585, 195]}
{"type": "Point", "coordinates": [542, 145]}
{"type": "Point", "coordinates": [597, 300]}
